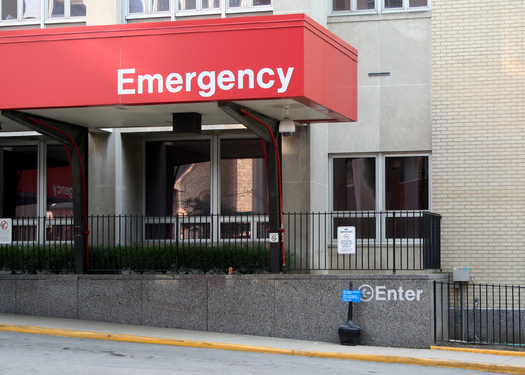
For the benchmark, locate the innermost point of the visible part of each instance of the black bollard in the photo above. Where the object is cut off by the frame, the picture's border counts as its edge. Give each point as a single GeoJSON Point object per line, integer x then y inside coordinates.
{"type": "Point", "coordinates": [349, 332]}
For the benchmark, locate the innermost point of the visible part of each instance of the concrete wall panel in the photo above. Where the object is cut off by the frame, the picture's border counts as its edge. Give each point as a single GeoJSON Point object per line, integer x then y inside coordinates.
{"type": "Point", "coordinates": [397, 310]}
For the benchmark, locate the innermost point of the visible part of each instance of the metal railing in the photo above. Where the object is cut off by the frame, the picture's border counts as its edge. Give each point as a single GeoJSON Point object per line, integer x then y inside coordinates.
{"type": "Point", "coordinates": [393, 240]}
{"type": "Point", "coordinates": [484, 314]}
{"type": "Point", "coordinates": [401, 240]}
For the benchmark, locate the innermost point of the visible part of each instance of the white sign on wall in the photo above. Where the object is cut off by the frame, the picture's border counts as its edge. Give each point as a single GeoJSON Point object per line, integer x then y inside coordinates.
{"type": "Point", "coordinates": [6, 231]}
{"type": "Point", "coordinates": [346, 240]}
{"type": "Point", "coordinates": [274, 237]}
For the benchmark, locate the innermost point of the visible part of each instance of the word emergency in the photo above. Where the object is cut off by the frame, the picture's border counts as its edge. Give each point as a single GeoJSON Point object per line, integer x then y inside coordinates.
{"type": "Point", "coordinates": [207, 81]}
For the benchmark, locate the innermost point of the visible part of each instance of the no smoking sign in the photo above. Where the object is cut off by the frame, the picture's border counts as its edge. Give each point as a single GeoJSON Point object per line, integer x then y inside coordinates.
{"type": "Point", "coordinates": [346, 240]}
{"type": "Point", "coordinates": [5, 231]}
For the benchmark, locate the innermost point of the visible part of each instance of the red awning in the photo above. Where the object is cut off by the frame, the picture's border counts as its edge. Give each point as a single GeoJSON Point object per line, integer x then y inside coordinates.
{"type": "Point", "coordinates": [250, 60]}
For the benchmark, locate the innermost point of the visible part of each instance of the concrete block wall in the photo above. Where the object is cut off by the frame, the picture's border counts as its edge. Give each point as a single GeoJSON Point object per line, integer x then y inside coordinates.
{"type": "Point", "coordinates": [397, 311]}
{"type": "Point", "coordinates": [478, 125]}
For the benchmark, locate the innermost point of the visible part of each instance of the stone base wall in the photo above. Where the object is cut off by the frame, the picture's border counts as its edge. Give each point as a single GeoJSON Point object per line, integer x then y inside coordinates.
{"type": "Point", "coordinates": [398, 311]}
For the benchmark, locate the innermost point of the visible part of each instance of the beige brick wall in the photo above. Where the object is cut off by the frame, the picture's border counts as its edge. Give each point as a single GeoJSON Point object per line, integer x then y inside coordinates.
{"type": "Point", "coordinates": [478, 130]}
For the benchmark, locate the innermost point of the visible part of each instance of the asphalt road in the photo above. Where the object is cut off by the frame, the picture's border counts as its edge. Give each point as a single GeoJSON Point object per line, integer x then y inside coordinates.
{"type": "Point", "coordinates": [41, 354]}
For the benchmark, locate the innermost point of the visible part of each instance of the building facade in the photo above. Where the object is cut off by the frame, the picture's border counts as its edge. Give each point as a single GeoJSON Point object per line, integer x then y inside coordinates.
{"type": "Point", "coordinates": [440, 111]}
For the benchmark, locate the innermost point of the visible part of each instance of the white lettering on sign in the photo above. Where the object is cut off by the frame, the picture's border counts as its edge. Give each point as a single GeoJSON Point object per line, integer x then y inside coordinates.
{"type": "Point", "coordinates": [206, 82]}
{"type": "Point", "coordinates": [380, 293]}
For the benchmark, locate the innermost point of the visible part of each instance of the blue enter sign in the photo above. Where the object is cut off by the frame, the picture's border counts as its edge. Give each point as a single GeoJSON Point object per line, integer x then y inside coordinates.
{"type": "Point", "coordinates": [351, 295]}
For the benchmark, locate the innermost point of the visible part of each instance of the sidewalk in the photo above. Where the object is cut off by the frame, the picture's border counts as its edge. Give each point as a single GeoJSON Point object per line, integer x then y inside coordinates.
{"type": "Point", "coordinates": [500, 361]}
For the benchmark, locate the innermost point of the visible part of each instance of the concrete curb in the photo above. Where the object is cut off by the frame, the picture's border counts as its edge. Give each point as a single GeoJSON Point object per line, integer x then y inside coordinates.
{"type": "Point", "coordinates": [259, 349]}
{"type": "Point", "coordinates": [480, 351]}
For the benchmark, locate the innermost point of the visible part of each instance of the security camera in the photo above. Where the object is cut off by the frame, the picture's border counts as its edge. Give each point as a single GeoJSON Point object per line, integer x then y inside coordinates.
{"type": "Point", "coordinates": [286, 126]}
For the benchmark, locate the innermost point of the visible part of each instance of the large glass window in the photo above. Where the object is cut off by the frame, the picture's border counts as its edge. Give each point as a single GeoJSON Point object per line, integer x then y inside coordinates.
{"type": "Point", "coordinates": [19, 187]}
{"type": "Point", "coordinates": [405, 183]}
{"type": "Point", "coordinates": [368, 185]}
{"type": "Point", "coordinates": [178, 177]}
{"type": "Point", "coordinates": [354, 186]}
{"type": "Point", "coordinates": [221, 198]}
{"type": "Point", "coordinates": [377, 6]}
{"type": "Point", "coordinates": [23, 176]}
{"type": "Point", "coordinates": [243, 177]}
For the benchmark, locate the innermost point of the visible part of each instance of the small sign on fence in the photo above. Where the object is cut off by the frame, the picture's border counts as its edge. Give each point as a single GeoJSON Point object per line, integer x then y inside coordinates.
{"type": "Point", "coordinates": [6, 231]}
{"type": "Point", "coordinates": [346, 240]}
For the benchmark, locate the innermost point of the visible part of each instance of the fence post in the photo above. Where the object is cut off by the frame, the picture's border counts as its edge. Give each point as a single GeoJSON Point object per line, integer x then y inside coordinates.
{"type": "Point", "coordinates": [394, 244]}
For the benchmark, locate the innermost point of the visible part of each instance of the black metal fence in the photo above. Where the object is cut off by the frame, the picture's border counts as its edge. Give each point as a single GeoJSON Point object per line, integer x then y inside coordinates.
{"type": "Point", "coordinates": [407, 240]}
{"type": "Point", "coordinates": [485, 314]}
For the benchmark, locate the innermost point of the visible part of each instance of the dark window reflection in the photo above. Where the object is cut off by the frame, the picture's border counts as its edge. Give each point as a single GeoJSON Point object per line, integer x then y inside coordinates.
{"type": "Point", "coordinates": [243, 177]}
{"type": "Point", "coordinates": [59, 182]}
{"type": "Point", "coordinates": [18, 188]}
{"type": "Point", "coordinates": [354, 184]}
{"type": "Point", "coordinates": [178, 178]}
{"type": "Point", "coordinates": [406, 183]}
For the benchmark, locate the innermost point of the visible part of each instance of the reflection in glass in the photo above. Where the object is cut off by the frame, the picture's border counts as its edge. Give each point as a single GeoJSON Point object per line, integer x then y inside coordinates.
{"type": "Point", "coordinates": [31, 9]}
{"type": "Point", "coordinates": [243, 177]}
{"type": "Point", "coordinates": [354, 184]}
{"type": "Point", "coordinates": [137, 6]}
{"type": "Point", "coordinates": [237, 3]}
{"type": "Point", "coordinates": [161, 5]}
{"type": "Point", "coordinates": [339, 5]}
{"type": "Point", "coordinates": [261, 2]}
{"type": "Point", "coordinates": [365, 4]}
{"type": "Point", "coordinates": [211, 4]}
{"type": "Point", "coordinates": [9, 10]}
{"type": "Point", "coordinates": [393, 4]}
{"type": "Point", "coordinates": [418, 3]}
{"type": "Point", "coordinates": [178, 178]}
{"type": "Point", "coordinates": [57, 8]}
{"type": "Point", "coordinates": [59, 182]}
{"type": "Point", "coordinates": [18, 185]}
{"type": "Point", "coordinates": [78, 8]}
{"type": "Point", "coordinates": [406, 183]}
{"type": "Point", "coordinates": [187, 4]}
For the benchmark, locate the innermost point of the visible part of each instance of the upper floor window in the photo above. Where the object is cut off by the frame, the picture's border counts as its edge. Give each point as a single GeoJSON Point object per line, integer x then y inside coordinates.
{"type": "Point", "coordinates": [378, 6]}
{"type": "Point", "coordinates": [30, 11]}
{"type": "Point", "coordinates": [163, 8]}
{"type": "Point", "coordinates": [66, 8]}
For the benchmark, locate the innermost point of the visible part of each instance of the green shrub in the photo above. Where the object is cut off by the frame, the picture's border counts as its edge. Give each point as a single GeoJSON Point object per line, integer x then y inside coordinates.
{"type": "Point", "coordinates": [139, 258]}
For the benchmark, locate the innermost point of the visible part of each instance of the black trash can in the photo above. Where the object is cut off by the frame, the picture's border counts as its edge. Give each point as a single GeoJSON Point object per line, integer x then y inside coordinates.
{"type": "Point", "coordinates": [349, 333]}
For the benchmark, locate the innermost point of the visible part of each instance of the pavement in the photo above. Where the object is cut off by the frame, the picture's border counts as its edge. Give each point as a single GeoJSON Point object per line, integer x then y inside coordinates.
{"type": "Point", "coordinates": [498, 361]}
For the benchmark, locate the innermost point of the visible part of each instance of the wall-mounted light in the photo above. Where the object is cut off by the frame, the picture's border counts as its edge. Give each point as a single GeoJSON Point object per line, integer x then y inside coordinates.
{"type": "Point", "coordinates": [286, 126]}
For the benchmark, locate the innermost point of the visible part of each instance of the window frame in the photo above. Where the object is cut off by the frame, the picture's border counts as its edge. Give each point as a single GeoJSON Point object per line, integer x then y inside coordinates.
{"type": "Point", "coordinates": [380, 185]}
{"type": "Point", "coordinates": [216, 217]}
{"type": "Point", "coordinates": [379, 8]}
{"type": "Point", "coordinates": [43, 18]}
